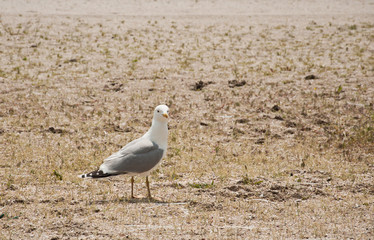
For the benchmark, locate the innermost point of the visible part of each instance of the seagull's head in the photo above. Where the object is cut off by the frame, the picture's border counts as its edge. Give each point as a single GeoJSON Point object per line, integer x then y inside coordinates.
{"type": "Point", "coordinates": [161, 113]}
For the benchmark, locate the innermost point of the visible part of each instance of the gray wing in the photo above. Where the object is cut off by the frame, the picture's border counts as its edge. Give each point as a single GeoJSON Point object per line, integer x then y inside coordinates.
{"type": "Point", "coordinates": [139, 156]}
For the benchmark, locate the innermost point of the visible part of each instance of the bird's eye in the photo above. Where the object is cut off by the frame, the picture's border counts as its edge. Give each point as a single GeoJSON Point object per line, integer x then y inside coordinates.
{"type": "Point", "coordinates": [158, 110]}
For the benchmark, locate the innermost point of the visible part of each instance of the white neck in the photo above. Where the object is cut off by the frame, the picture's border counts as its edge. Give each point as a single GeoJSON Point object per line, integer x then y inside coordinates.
{"type": "Point", "coordinates": [158, 133]}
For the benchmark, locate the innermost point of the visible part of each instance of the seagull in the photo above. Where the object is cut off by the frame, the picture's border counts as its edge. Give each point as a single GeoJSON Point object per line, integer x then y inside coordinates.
{"type": "Point", "coordinates": [140, 156]}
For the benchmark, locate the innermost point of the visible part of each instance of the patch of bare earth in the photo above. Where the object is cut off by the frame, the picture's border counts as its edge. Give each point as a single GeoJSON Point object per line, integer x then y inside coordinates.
{"type": "Point", "coordinates": [271, 129]}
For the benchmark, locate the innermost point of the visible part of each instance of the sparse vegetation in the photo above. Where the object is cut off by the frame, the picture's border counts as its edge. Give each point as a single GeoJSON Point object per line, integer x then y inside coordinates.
{"type": "Point", "coordinates": [271, 129]}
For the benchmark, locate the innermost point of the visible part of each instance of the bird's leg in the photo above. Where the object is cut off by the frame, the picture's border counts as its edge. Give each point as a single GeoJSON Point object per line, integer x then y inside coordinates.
{"type": "Point", "coordinates": [132, 187]}
{"type": "Point", "coordinates": [149, 191]}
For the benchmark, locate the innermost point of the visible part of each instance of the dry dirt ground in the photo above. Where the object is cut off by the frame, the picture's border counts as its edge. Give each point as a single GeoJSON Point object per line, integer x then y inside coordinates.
{"type": "Point", "coordinates": [271, 129]}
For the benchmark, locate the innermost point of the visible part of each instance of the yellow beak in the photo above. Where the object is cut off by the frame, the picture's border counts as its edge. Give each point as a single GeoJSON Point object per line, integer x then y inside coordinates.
{"type": "Point", "coordinates": [165, 115]}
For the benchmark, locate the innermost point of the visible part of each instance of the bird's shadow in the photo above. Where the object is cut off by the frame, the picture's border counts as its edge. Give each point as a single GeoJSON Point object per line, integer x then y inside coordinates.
{"type": "Point", "coordinates": [145, 200]}
{"type": "Point", "coordinates": [137, 200]}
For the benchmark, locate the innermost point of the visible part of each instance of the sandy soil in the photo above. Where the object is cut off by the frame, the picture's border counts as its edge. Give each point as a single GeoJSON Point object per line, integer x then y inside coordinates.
{"type": "Point", "coordinates": [271, 130]}
{"type": "Point", "coordinates": [189, 7]}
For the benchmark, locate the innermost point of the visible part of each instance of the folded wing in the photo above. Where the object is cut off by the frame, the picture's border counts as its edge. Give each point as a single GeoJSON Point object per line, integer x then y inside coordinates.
{"type": "Point", "coordinates": [139, 156]}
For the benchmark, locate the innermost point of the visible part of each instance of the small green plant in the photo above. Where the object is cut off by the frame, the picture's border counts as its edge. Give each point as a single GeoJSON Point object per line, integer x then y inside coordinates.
{"type": "Point", "coordinates": [57, 175]}
{"type": "Point", "coordinates": [339, 89]}
{"type": "Point", "coordinates": [353, 27]}
{"type": "Point", "coordinates": [202, 185]}
{"type": "Point", "coordinates": [246, 180]}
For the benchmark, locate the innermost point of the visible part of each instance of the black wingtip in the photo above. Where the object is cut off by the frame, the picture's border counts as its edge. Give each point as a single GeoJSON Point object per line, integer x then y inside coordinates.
{"type": "Point", "coordinates": [98, 174]}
